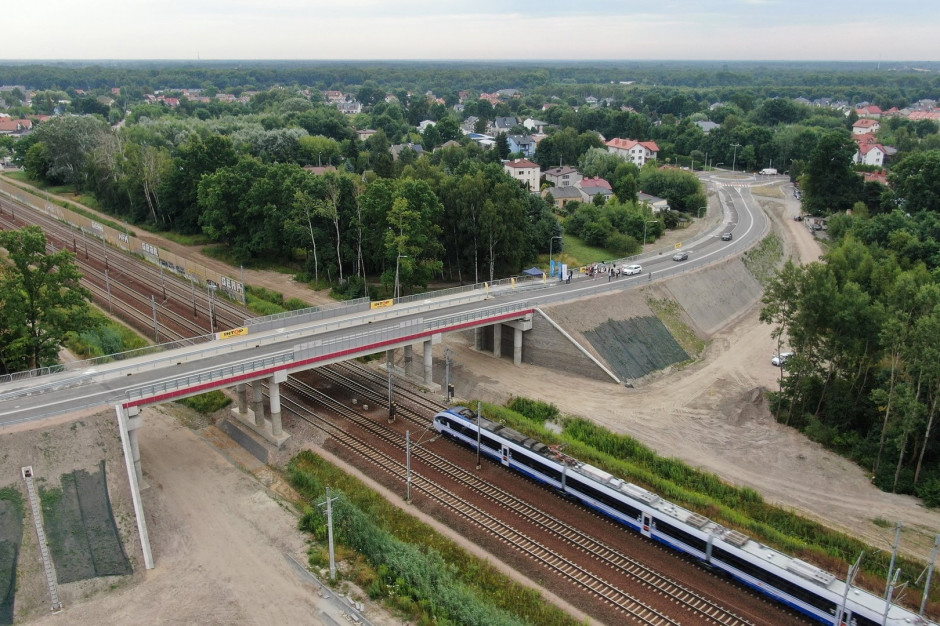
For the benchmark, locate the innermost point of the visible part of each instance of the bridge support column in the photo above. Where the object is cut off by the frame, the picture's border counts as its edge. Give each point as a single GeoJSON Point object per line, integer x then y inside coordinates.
{"type": "Point", "coordinates": [241, 390]}
{"type": "Point", "coordinates": [497, 340]}
{"type": "Point", "coordinates": [135, 421]}
{"type": "Point", "coordinates": [131, 450]}
{"type": "Point", "coordinates": [428, 362]}
{"type": "Point", "coordinates": [257, 402]}
{"type": "Point", "coordinates": [519, 326]}
{"type": "Point", "coordinates": [274, 391]}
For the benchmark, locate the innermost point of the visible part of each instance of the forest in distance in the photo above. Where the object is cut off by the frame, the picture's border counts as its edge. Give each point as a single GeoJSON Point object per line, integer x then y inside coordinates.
{"type": "Point", "coordinates": [441, 206]}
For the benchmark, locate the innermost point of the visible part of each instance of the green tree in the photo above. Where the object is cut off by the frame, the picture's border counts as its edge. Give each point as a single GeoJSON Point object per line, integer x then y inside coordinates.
{"type": "Point", "coordinates": [41, 300]}
{"type": "Point", "coordinates": [830, 184]}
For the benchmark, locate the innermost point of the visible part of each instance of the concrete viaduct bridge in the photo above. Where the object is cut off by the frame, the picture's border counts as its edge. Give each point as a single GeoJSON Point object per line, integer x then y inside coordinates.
{"type": "Point", "coordinates": [269, 349]}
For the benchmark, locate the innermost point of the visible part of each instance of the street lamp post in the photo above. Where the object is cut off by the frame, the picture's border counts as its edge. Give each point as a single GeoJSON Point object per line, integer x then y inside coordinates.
{"type": "Point", "coordinates": [644, 229]}
{"type": "Point", "coordinates": [734, 157]}
{"type": "Point", "coordinates": [550, 242]}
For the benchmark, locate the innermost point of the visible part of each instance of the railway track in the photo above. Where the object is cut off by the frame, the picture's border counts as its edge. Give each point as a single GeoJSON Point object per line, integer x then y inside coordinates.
{"type": "Point", "coordinates": [182, 309]}
{"type": "Point", "coordinates": [635, 573]}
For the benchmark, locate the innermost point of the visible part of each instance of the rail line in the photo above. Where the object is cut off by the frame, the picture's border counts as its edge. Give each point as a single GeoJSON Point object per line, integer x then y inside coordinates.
{"type": "Point", "coordinates": [105, 266]}
{"type": "Point", "coordinates": [623, 565]}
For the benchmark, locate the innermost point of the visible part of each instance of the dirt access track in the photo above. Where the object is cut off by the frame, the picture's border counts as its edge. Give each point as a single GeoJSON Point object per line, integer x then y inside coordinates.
{"type": "Point", "coordinates": [220, 531]}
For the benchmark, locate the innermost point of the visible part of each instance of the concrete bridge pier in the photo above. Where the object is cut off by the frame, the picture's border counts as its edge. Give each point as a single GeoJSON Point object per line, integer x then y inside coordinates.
{"type": "Point", "coordinates": [127, 416]}
{"type": "Point", "coordinates": [253, 418]}
{"type": "Point", "coordinates": [519, 326]}
{"type": "Point", "coordinates": [274, 392]}
{"type": "Point", "coordinates": [498, 340]}
{"type": "Point", "coordinates": [257, 402]}
{"type": "Point", "coordinates": [241, 391]}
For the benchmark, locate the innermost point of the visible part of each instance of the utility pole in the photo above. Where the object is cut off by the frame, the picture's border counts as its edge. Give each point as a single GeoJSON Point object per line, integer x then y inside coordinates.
{"type": "Point", "coordinates": [479, 411]}
{"type": "Point", "coordinates": [894, 555]}
{"type": "Point", "coordinates": [849, 579]}
{"type": "Point", "coordinates": [933, 559]}
{"type": "Point", "coordinates": [447, 387]}
{"type": "Point", "coordinates": [156, 333]}
{"type": "Point", "coordinates": [329, 531]}
{"type": "Point", "coordinates": [408, 466]}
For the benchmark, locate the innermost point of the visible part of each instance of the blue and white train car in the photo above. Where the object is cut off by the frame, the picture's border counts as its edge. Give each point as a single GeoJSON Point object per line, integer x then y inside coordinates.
{"type": "Point", "coordinates": [800, 585]}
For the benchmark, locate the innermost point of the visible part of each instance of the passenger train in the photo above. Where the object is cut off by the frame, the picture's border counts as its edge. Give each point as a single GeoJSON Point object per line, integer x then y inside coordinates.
{"type": "Point", "coordinates": [800, 585]}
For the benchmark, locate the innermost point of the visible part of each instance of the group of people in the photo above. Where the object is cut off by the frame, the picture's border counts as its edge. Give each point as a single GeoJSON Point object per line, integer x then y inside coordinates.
{"type": "Point", "coordinates": [601, 269]}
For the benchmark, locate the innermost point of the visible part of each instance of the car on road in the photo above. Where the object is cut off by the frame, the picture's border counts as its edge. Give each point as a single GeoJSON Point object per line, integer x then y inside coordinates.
{"type": "Point", "coordinates": [632, 269]}
{"type": "Point", "coordinates": [680, 256]}
{"type": "Point", "coordinates": [726, 236]}
{"type": "Point", "coordinates": [779, 360]}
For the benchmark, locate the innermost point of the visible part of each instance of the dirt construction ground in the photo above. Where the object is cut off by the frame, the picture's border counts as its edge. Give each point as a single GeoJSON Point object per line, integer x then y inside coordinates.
{"type": "Point", "coordinates": [220, 533]}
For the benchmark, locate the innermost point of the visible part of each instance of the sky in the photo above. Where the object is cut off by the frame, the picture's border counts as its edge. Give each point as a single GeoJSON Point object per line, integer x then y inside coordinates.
{"type": "Point", "coordinates": [839, 30]}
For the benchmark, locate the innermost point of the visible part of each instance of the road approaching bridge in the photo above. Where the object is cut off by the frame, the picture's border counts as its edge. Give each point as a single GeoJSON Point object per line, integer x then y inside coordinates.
{"type": "Point", "coordinates": [285, 344]}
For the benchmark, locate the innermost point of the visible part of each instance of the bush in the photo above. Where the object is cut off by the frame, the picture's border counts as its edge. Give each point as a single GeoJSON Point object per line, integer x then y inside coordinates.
{"type": "Point", "coordinates": [621, 244]}
{"type": "Point", "coordinates": [207, 403]}
{"type": "Point", "coordinates": [535, 410]}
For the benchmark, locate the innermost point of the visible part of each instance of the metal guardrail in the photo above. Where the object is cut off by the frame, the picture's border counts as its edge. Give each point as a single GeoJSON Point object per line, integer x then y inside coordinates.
{"type": "Point", "coordinates": [327, 347]}
{"type": "Point", "coordinates": [333, 307]}
{"type": "Point", "coordinates": [185, 382]}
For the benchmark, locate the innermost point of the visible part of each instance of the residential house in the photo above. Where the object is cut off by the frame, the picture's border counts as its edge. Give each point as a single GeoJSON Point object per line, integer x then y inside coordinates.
{"type": "Point", "coordinates": [319, 170]}
{"type": "Point", "coordinates": [870, 154]}
{"type": "Point", "coordinates": [592, 187]}
{"type": "Point", "coordinates": [423, 126]}
{"type": "Point", "coordinates": [524, 171]}
{"type": "Point", "coordinates": [469, 125]}
{"type": "Point", "coordinates": [351, 107]}
{"type": "Point", "coordinates": [492, 98]}
{"type": "Point", "coordinates": [397, 149]}
{"type": "Point", "coordinates": [365, 133]}
{"type": "Point", "coordinates": [535, 125]}
{"type": "Point", "coordinates": [562, 176]}
{"type": "Point", "coordinates": [9, 126]}
{"type": "Point", "coordinates": [561, 196]}
{"type": "Point", "coordinates": [707, 126]}
{"type": "Point", "coordinates": [448, 144]}
{"type": "Point", "coordinates": [504, 124]}
{"type": "Point", "coordinates": [637, 152]}
{"type": "Point", "coordinates": [522, 143]}
{"type": "Point", "coordinates": [334, 96]}
{"type": "Point", "coordinates": [656, 204]}
{"type": "Point", "coordinates": [591, 101]}
{"type": "Point", "coordinates": [870, 110]}
{"type": "Point", "coordinates": [865, 125]}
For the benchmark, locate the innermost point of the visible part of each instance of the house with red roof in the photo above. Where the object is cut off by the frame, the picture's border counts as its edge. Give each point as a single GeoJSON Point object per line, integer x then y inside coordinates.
{"type": "Point", "coordinates": [591, 187]}
{"type": "Point", "coordinates": [865, 125]}
{"type": "Point", "coordinates": [637, 152]}
{"type": "Point", "coordinates": [524, 171]}
{"type": "Point", "coordinates": [871, 111]}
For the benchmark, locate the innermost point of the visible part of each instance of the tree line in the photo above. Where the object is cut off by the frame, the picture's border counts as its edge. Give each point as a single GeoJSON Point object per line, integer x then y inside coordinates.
{"type": "Point", "coordinates": [864, 325]}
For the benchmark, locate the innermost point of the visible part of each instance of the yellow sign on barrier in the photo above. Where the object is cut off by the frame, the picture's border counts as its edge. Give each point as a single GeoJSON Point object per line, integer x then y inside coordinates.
{"type": "Point", "coordinates": [513, 283]}
{"type": "Point", "coordinates": [678, 245]}
{"type": "Point", "coordinates": [381, 304]}
{"type": "Point", "coordinates": [235, 332]}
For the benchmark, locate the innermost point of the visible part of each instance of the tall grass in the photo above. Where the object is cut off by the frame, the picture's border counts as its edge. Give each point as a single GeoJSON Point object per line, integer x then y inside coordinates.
{"type": "Point", "coordinates": [416, 570]}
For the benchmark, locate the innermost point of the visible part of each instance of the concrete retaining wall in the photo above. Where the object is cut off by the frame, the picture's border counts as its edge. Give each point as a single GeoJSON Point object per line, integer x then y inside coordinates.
{"type": "Point", "coordinates": [711, 298]}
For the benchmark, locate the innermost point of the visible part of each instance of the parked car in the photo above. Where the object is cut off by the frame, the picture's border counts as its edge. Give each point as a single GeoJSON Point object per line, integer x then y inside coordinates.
{"type": "Point", "coordinates": [726, 236]}
{"type": "Point", "coordinates": [680, 256]}
{"type": "Point", "coordinates": [779, 360]}
{"type": "Point", "coordinates": [632, 269]}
